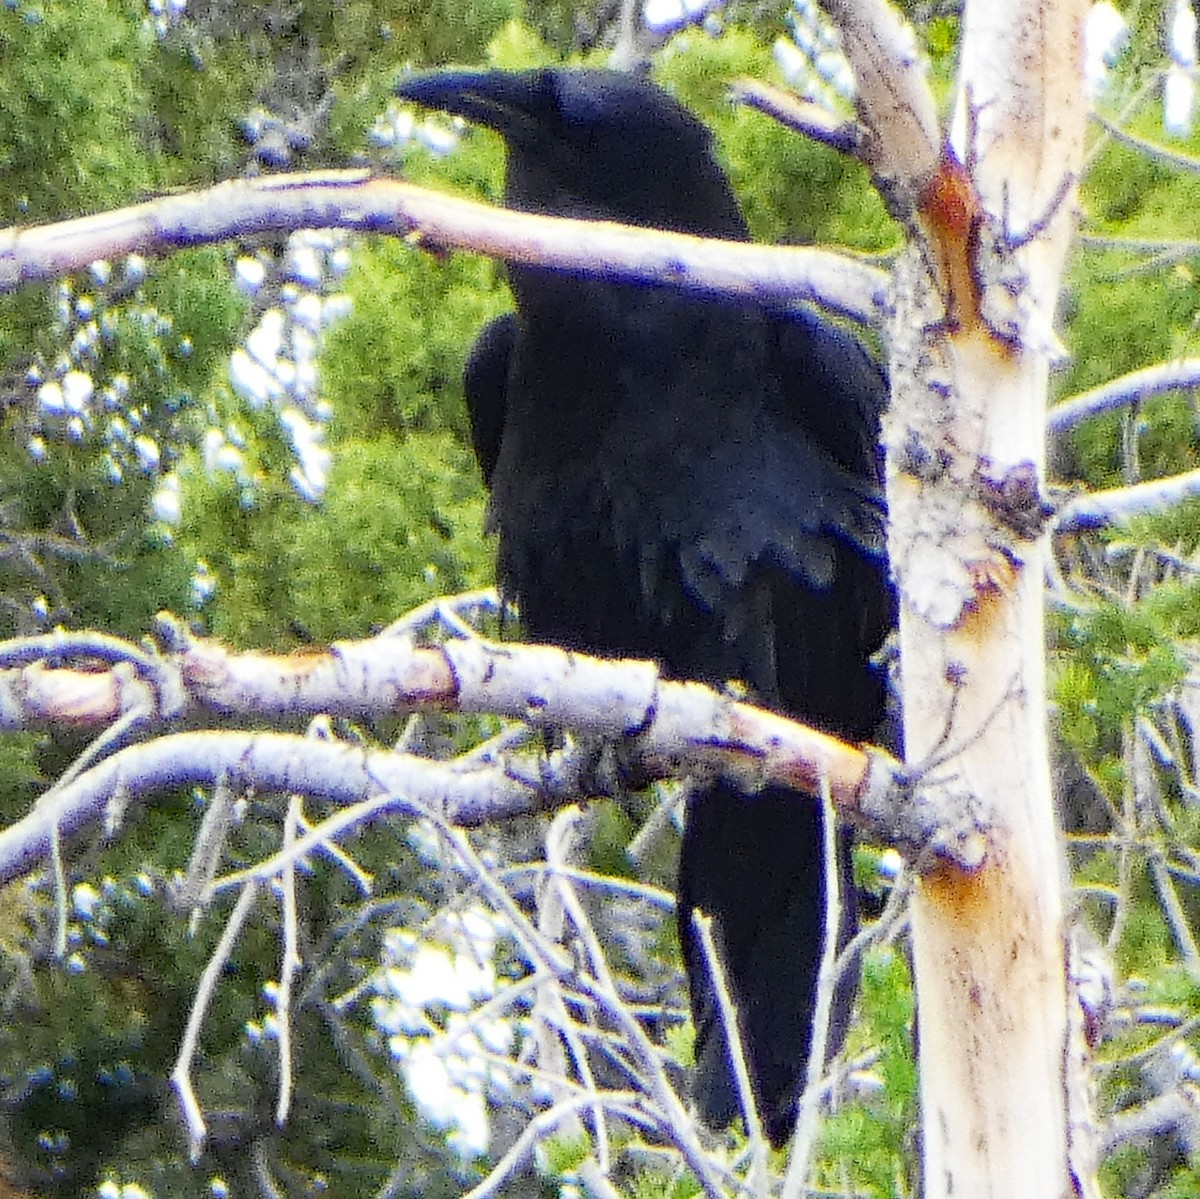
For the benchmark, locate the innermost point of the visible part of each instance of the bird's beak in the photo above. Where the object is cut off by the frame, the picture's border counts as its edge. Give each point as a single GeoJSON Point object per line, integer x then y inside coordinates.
{"type": "Point", "coordinates": [495, 99]}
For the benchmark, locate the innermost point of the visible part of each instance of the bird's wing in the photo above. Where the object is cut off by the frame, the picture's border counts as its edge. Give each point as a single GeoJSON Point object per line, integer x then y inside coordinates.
{"type": "Point", "coordinates": [485, 382]}
{"type": "Point", "coordinates": [748, 491]}
{"type": "Point", "coordinates": [835, 394]}
{"type": "Point", "coordinates": [832, 388]}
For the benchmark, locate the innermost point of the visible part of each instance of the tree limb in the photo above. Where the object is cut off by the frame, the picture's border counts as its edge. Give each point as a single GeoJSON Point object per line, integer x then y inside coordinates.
{"type": "Point", "coordinates": [813, 121]}
{"type": "Point", "coordinates": [1120, 393]}
{"type": "Point", "coordinates": [1120, 504]}
{"type": "Point", "coordinates": [664, 720]}
{"type": "Point", "coordinates": [432, 220]}
{"type": "Point", "coordinates": [895, 104]}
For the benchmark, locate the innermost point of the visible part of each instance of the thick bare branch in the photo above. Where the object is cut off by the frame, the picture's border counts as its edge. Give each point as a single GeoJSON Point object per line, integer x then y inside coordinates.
{"type": "Point", "coordinates": [665, 720]}
{"type": "Point", "coordinates": [331, 770]}
{"type": "Point", "coordinates": [664, 727]}
{"type": "Point", "coordinates": [356, 200]}
{"type": "Point", "coordinates": [895, 104]}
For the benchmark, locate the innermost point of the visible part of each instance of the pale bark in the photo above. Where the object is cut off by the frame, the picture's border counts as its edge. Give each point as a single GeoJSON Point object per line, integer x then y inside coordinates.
{"type": "Point", "coordinates": [971, 342]}
{"type": "Point", "coordinates": [359, 201]}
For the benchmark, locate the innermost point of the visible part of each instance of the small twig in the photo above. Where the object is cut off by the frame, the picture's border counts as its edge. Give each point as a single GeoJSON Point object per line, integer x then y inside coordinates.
{"type": "Point", "coordinates": [1175, 160]}
{"type": "Point", "coordinates": [499, 1003]}
{"type": "Point", "coordinates": [627, 887]}
{"type": "Point", "coordinates": [1182, 1032]}
{"type": "Point", "coordinates": [1183, 247]}
{"type": "Point", "coordinates": [674, 1119]}
{"type": "Point", "coordinates": [1176, 917]}
{"type": "Point", "coordinates": [559, 841]}
{"type": "Point", "coordinates": [727, 1010]}
{"type": "Point", "coordinates": [891, 923]}
{"type": "Point", "coordinates": [290, 962]}
{"type": "Point", "coordinates": [538, 1128]}
{"type": "Point", "coordinates": [336, 854]}
{"type": "Point", "coordinates": [318, 835]}
{"type": "Point", "coordinates": [1160, 1115]}
{"type": "Point", "coordinates": [802, 116]}
{"type": "Point", "coordinates": [933, 760]}
{"type": "Point", "coordinates": [1126, 836]}
{"type": "Point", "coordinates": [181, 1075]}
{"type": "Point", "coordinates": [808, 1109]}
{"type": "Point", "coordinates": [262, 1172]}
{"type": "Point", "coordinates": [662, 818]}
{"type": "Point", "coordinates": [455, 614]}
{"type": "Point", "coordinates": [493, 750]}
{"type": "Point", "coordinates": [207, 849]}
{"type": "Point", "coordinates": [541, 953]}
{"type": "Point", "coordinates": [1039, 225]}
{"type": "Point", "coordinates": [593, 1177]}
{"type": "Point", "coordinates": [61, 914]}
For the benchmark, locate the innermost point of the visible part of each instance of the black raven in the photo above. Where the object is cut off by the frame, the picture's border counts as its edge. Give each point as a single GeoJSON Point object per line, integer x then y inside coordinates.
{"type": "Point", "coordinates": [691, 478]}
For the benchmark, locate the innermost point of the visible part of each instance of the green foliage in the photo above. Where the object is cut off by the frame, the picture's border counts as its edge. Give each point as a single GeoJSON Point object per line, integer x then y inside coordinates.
{"type": "Point", "coordinates": [611, 831]}
{"type": "Point", "coordinates": [402, 523]}
{"type": "Point", "coordinates": [657, 1184]}
{"type": "Point", "coordinates": [1149, 1165]}
{"type": "Point", "coordinates": [1117, 662]}
{"type": "Point", "coordinates": [1134, 204]}
{"type": "Point", "coordinates": [867, 1145]}
{"type": "Point", "coordinates": [206, 313]}
{"type": "Point", "coordinates": [517, 47]}
{"type": "Point", "coordinates": [395, 363]}
{"type": "Point", "coordinates": [436, 33]}
{"type": "Point", "coordinates": [81, 503]}
{"type": "Point", "coordinates": [377, 42]}
{"type": "Point", "coordinates": [1146, 946]}
{"type": "Point", "coordinates": [195, 89]}
{"type": "Point", "coordinates": [70, 94]}
{"type": "Point", "coordinates": [23, 315]}
{"type": "Point", "coordinates": [564, 1154]}
{"type": "Point", "coordinates": [23, 779]}
{"type": "Point", "coordinates": [90, 1044]}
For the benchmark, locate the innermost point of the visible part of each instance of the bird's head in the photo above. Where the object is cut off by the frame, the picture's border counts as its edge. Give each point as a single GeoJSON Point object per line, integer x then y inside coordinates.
{"type": "Point", "coordinates": [593, 143]}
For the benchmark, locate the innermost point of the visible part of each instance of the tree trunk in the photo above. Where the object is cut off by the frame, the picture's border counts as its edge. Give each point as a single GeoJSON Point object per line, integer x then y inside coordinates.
{"type": "Point", "coordinates": [972, 343]}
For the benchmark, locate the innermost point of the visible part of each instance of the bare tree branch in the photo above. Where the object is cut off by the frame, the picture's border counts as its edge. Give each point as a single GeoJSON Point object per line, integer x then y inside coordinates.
{"type": "Point", "coordinates": [801, 116]}
{"type": "Point", "coordinates": [348, 775]}
{"type": "Point", "coordinates": [1120, 393]}
{"type": "Point", "coordinates": [895, 104]}
{"type": "Point", "coordinates": [1172, 158]}
{"type": "Point", "coordinates": [181, 1076]}
{"type": "Point", "coordinates": [1123, 503]}
{"type": "Point", "coordinates": [1177, 1111]}
{"type": "Point", "coordinates": [290, 963]}
{"type": "Point", "coordinates": [542, 684]}
{"type": "Point", "coordinates": [357, 200]}
{"type": "Point", "coordinates": [663, 727]}
{"type": "Point", "coordinates": [727, 1012]}
{"type": "Point", "coordinates": [805, 1134]}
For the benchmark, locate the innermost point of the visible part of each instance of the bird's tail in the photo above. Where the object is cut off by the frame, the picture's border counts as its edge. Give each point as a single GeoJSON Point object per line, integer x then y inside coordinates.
{"type": "Point", "coordinates": [753, 862]}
